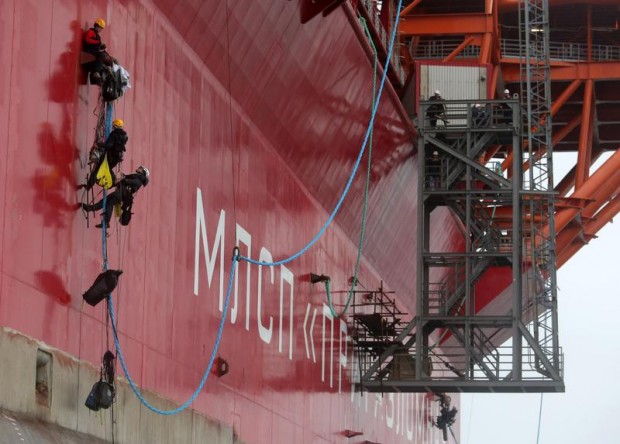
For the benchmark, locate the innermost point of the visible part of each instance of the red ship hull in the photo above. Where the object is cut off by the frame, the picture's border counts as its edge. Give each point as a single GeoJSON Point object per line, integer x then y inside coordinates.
{"type": "Point", "coordinates": [250, 123]}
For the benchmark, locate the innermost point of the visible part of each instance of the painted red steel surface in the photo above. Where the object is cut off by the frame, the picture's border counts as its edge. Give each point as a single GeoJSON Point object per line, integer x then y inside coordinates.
{"type": "Point", "coordinates": [265, 117]}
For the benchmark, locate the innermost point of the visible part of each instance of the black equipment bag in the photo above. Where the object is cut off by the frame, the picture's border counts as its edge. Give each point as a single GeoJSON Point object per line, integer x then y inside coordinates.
{"type": "Point", "coordinates": [103, 286]}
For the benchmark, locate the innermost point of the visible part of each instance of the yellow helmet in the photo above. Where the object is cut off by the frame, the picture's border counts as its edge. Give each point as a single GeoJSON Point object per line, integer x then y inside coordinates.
{"type": "Point", "coordinates": [100, 22]}
{"type": "Point", "coordinates": [118, 123]}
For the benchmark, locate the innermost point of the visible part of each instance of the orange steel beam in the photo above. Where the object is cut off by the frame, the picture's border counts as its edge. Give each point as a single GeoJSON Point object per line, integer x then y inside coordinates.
{"type": "Point", "coordinates": [557, 105]}
{"type": "Point", "coordinates": [568, 71]}
{"type": "Point", "coordinates": [592, 227]}
{"type": "Point", "coordinates": [490, 152]}
{"type": "Point", "coordinates": [446, 24]}
{"type": "Point", "coordinates": [409, 8]}
{"type": "Point", "coordinates": [566, 94]}
{"type": "Point", "coordinates": [584, 156]}
{"type": "Point", "coordinates": [557, 138]}
{"type": "Point", "coordinates": [568, 236]}
{"type": "Point", "coordinates": [494, 82]}
{"type": "Point", "coordinates": [459, 49]}
{"type": "Point", "coordinates": [485, 48]}
{"type": "Point", "coordinates": [596, 182]}
{"type": "Point", "coordinates": [566, 130]}
{"type": "Point", "coordinates": [602, 195]}
{"type": "Point", "coordinates": [488, 6]}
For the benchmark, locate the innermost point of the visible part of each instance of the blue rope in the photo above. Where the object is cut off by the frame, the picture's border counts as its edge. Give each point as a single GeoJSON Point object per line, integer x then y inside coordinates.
{"type": "Point", "coordinates": [357, 162]}
{"type": "Point", "coordinates": [360, 244]}
{"type": "Point", "coordinates": [236, 258]}
{"type": "Point", "coordinates": [117, 345]}
{"type": "Point", "coordinates": [211, 359]}
{"type": "Point", "coordinates": [109, 114]}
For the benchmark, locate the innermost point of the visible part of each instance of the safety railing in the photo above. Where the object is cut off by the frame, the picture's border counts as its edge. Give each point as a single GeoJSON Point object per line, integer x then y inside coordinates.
{"type": "Point", "coordinates": [559, 51]}
{"type": "Point", "coordinates": [439, 49]}
{"type": "Point", "coordinates": [564, 51]}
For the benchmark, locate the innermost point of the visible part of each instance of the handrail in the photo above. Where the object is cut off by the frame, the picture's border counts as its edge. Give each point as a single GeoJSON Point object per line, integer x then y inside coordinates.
{"type": "Point", "coordinates": [511, 48]}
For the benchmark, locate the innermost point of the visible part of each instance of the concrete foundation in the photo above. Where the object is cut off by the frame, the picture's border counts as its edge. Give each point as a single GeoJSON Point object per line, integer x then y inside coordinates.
{"type": "Point", "coordinates": [47, 405]}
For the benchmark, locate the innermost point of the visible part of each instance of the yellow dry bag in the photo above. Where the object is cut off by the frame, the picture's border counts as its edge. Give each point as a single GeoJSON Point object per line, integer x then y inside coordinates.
{"type": "Point", "coordinates": [104, 175]}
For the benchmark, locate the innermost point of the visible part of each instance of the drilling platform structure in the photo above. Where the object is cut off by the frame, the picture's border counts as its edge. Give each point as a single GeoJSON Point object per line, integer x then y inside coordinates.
{"type": "Point", "coordinates": [549, 84]}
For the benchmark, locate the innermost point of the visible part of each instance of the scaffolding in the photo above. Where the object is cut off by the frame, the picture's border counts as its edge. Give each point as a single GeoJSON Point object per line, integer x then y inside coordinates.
{"type": "Point", "coordinates": [450, 345]}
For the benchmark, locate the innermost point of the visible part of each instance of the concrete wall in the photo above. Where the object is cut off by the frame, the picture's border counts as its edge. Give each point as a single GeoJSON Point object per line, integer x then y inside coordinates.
{"type": "Point", "coordinates": [26, 412]}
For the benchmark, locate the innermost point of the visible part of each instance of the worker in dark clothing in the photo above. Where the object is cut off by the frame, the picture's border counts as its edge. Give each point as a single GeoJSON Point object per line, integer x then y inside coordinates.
{"type": "Point", "coordinates": [123, 194]}
{"type": "Point", "coordinates": [92, 44]}
{"type": "Point", "coordinates": [433, 171]}
{"type": "Point", "coordinates": [113, 147]}
{"type": "Point", "coordinates": [505, 109]}
{"type": "Point", "coordinates": [447, 415]}
{"type": "Point", "coordinates": [436, 110]}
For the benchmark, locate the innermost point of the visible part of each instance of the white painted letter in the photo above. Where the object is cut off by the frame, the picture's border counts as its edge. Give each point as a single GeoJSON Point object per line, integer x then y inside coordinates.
{"type": "Point", "coordinates": [342, 342]}
{"type": "Point", "coordinates": [218, 245]}
{"type": "Point", "coordinates": [327, 314]}
{"type": "Point", "coordinates": [243, 237]}
{"type": "Point", "coordinates": [286, 276]}
{"type": "Point", "coordinates": [264, 332]}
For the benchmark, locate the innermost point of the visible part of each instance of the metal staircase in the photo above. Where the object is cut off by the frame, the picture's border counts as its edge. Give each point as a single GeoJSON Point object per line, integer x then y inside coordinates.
{"type": "Point", "coordinates": [450, 345]}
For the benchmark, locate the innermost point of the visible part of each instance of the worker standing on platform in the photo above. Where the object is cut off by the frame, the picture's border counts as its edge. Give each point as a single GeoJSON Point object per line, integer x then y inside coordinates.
{"type": "Point", "coordinates": [506, 110]}
{"type": "Point", "coordinates": [92, 44]}
{"type": "Point", "coordinates": [436, 110]}
{"type": "Point", "coordinates": [123, 195]}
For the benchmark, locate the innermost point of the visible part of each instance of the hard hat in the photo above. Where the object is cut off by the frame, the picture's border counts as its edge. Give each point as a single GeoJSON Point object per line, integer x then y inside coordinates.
{"type": "Point", "coordinates": [144, 169]}
{"type": "Point", "coordinates": [437, 92]}
{"type": "Point", "coordinates": [118, 123]}
{"type": "Point", "coordinates": [435, 153]}
{"type": "Point", "coordinates": [506, 91]}
{"type": "Point", "coordinates": [100, 22]}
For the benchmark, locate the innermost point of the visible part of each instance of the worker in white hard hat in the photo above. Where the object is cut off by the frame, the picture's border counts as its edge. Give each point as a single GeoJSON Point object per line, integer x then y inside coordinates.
{"type": "Point", "coordinates": [506, 110]}
{"type": "Point", "coordinates": [124, 194]}
{"type": "Point", "coordinates": [436, 110]}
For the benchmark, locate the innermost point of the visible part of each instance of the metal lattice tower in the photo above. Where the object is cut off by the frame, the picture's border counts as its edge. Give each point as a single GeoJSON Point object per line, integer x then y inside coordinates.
{"type": "Point", "coordinates": [540, 304]}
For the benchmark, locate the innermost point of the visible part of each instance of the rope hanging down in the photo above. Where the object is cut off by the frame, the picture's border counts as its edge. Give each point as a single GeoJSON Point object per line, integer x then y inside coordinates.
{"type": "Point", "coordinates": [205, 376]}
{"type": "Point", "coordinates": [110, 304]}
{"type": "Point", "coordinates": [357, 161]}
{"type": "Point", "coordinates": [360, 244]}
{"type": "Point", "coordinates": [236, 256]}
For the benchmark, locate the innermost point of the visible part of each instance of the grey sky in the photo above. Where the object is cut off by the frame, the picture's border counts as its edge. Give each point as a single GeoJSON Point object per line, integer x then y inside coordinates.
{"type": "Point", "coordinates": [589, 411]}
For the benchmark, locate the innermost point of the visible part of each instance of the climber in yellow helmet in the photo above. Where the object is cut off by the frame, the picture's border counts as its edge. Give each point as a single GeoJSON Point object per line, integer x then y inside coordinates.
{"type": "Point", "coordinates": [92, 44]}
{"type": "Point", "coordinates": [113, 148]}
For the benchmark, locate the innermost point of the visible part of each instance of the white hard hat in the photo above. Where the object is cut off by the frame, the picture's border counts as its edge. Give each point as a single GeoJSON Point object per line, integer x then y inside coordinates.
{"type": "Point", "coordinates": [506, 91]}
{"type": "Point", "coordinates": [145, 169]}
{"type": "Point", "coordinates": [435, 153]}
{"type": "Point", "coordinates": [437, 92]}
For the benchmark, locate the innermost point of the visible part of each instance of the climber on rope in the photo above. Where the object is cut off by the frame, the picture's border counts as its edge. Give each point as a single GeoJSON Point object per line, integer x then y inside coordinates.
{"type": "Point", "coordinates": [447, 415]}
{"type": "Point", "coordinates": [113, 148]}
{"type": "Point", "coordinates": [92, 44]}
{"type": "Point", "coordinates": [122, 196]}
